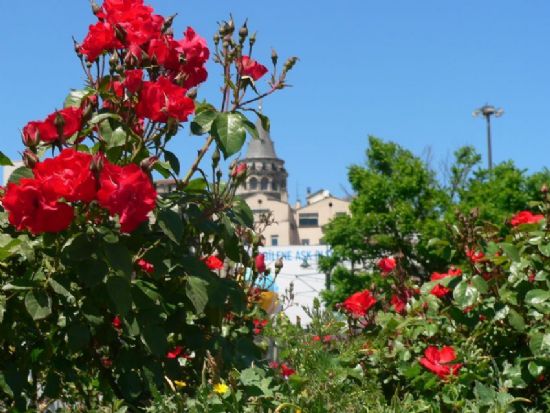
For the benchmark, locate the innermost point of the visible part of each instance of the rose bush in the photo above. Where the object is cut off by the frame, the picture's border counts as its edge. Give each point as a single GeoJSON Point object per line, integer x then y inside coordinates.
{"type": "Point", "coordinates": [109, 291]}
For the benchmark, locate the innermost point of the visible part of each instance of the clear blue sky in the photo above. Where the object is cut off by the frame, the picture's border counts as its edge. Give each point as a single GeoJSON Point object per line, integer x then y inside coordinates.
{"type": "Point", "coordinates": [408, 71]}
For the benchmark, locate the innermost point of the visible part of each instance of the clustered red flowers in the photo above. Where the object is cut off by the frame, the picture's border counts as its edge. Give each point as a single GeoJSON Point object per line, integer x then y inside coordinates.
{"type": "Point", "coordinates": [133, 27]}
{"type": "Point", "coordinates": [145, 266]}
{"type": "Point", "coordinates": [283, 368]}
{"type": "Point", "coordinates": [438, 361]}
{"type": "Point", "coordinates": [525, 217]}
{"type": "Point", "coordinates": [41, 204]}
{"type": "Point", "coordinates": [259, 325]}
{"type": "Point", "coordinates": [359, 303]}
{"type": "Point", "coordinates": [57, 127]}
{"type": "Point", "coordinates": [439, 290]}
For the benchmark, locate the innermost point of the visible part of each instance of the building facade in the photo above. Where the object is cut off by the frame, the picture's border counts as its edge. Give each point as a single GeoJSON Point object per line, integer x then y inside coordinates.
{"type": "Point", "coordinates": [266, 193]}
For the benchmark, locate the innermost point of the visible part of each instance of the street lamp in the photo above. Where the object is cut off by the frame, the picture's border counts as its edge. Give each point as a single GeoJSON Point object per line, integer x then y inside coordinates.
{"type": "Point", "coordinates": [487, 111]}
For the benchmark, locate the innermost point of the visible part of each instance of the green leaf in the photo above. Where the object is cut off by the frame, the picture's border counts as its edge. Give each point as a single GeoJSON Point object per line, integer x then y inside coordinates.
{"type": "Point", "coordinates": [173, 160]}
{"type": "Point", "coordinates": [536, 296]}
{"type": "Point", "coordinates": [119, 291]}
{"type": "Point", "coordinates": [196, 290]}
{"type": "Point", "coordinates": [540, 344]}
{"type": "Point", "coordinates": [19, 173]}
{"type": "Point", "coordinates": [100, 117]}
{"type": "Point", "coordinates": [229, 130]}
{"type": "Point", "coordinates": [545, 249]}
{"type": "Point", "coordinates": [38, 304]}
{"type": "Point", "coordinates": [243, 212]}
{"type": "Point", "coordinates": [154, 337]}
{"type": "Point", "coordinates": [465, 294]}
{"type": "Point", "coordinates": [264, 120]}
{"type": "Point", "coordinates": [4, 160]}
{"type": "Point", "coordinates": [250, 127]}
{"type": "Point", "coordinates": [2, 307]}
{"type": "Point", "coordinates": [171, 224]}
{"type": "Point", "coordinates": [130, 384]}
{"type": "Point", "coordinates": [92, 272]}
{"type": "Point", "coordinates": [74, 98]}
{"type": "Point", "coordinates": [202, 123]}
{"type": "Point", "coordinates": [484, 395]}
{"type": "Point", "coordinates": [480, 284]}
{"type": "Point", "coordinates": [511, 251]}
{"type": "Point", "coordinates": [516, 320]}
{"type": "Point", "coordinates": [78, 337]}
{"type": "Point", "coordinates": [120, 259]}
{"type": "Point", "coordinates": [534, 369]}
{"type": "Point", "coordinates": [116, 138]}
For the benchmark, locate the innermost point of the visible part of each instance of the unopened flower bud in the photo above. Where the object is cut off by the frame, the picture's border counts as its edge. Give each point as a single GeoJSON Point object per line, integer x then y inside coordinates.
{"type": "Point", "coordinates": [97, 162]}
{"type": "Point", "coordinates": [252, 39]}
{"type": "Point", "coordinates": [148, 163]}
{"type": "Point", "coordinates": [289, 64]}
{"type": "Point", "coordinates": [216, 39]}
{"type": "Point", "coordinates": [216, 157]}
{"type": "Point", "coordinates": [168, 24]}
{"type": "Point", "coordinates": [192, 93]}
{"type": "Point", "coordinates": [31, 135]}
{"type": "Point", "coordinates": [274, 57]}
{"type": "Point", "coordinates": [30, 159]}
{"type": "Point", "coordinates": [239, 170]}
{"type": "Point", "coordinates": [243, 32]}
{"type": "Point", "coordinates": [113, 60]}
{"type": "Point", "coordinates": [120, 33]}
{"type": "Point", "coordinates": [59, 123]}
{"type": "Point", "coordinates": [96, 8]}
{"type": "Point", "coordinates": [279, 264]}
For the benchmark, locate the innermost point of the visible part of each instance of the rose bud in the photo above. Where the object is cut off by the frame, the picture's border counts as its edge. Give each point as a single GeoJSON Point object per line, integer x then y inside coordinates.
{"type": "Point", "coordinates": [148, 163]}
{"type": "Point", "coordinates": [30, 159]}
{"type": "Point", "coordinates": [239, 170]}
{"type": "Point", "coordinates": [96, 165]}
{"type": "Point", "coordinates": [31, 134]}
{"type": "Point", "coordinates": [274, 57]}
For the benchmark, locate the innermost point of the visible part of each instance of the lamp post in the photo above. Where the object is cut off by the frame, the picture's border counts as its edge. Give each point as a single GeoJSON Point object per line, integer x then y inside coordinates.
{"type": "Point", "coordinates": [487, 111]}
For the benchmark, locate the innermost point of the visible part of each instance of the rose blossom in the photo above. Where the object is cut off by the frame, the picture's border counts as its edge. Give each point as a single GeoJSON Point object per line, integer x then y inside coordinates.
{"type": "Point", "coordinates": [359, 303]}
{"type": "Point", "coordinates": [437, 361]}
{"type": "Point", "coordinates": [30, 207]}
{"type": "Point", "coordinates": [162, 100]}
{"type": "Point", "coordinates": [260, 263]}
{"type": "Point", "coordinates": [249, 67]}
{"type": "Point", "coordinates": [525, 217]}
{"type": "Point", "coordinates": [68, 176]}
{"type": "Point", "coordinates": [145, 266]}
{"type": "Point", "coordinates": [128, 192]}
{"type": "Point", "coordinates": [213, 262]}
{"type": "Point", "coordinates": [386, 265]}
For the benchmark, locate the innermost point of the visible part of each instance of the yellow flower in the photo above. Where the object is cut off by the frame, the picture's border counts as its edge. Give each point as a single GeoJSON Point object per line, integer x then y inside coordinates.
{"type": "Point", "coordinates": [221, 388]}
{"type": "Point", "coordinates": [180, 384]}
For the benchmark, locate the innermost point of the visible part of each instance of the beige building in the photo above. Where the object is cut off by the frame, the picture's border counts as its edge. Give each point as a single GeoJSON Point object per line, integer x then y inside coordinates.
{"type": "Point", "coordinates": [265, 191]}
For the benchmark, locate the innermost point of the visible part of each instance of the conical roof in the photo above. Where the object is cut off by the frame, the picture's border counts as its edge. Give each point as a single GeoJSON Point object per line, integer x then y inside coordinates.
{"type": "Point", "coordinates": [262, 148]}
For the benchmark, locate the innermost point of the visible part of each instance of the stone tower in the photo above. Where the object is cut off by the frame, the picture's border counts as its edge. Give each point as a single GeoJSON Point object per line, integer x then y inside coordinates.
{"type": "Point", "coordinates": [266, 172]}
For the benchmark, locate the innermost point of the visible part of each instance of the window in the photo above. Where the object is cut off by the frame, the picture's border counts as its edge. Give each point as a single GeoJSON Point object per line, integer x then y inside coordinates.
{"type": "Point", "coordinates": [274, 240]}
{"type": "Point", "coordinates": [310, 219]}
{"type": "Point", "coordinates": [253, 184]}
{"type": "Point", "coordinates": [273, 186]}
{"type": "Point", "coordinates": [305, 241]}
{"type": "Point", "coordinates": [264, 184]}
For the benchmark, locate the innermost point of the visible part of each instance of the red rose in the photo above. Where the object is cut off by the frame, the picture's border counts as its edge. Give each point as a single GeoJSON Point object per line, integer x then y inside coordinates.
{"type": "Point", "coordinates": [163, 50]}
{"type": "Point", "coordinates": [162, 100]}
{"type": "Point", "coordinates": [106, 362]}
{"type": "Point", "coordinates": [398, 304]}
{"type": "Point", "coordinates": [525, 217]}
{"type": "Point", "coordinates": [174, 353]}
{"type": "Point", "coordinates": [213, 262]}
{"type": "Point", "coordinates": [386, 265]}
{"type": "Point", "coordinates": [101, 38]}
{"type": "Point", "coordinates": [260, 263]}
{"type": "Point", "coordinates": [327, 338]}
{"type": "Point", "coordinates": [133, 79]}
{"type": "Point", "coordinates": [251, 68]}
{"type": "Point", "coordinates": [194, 75]}
{"type": "Point", "coordinates": [145, 266]}
{"type": "Point", "coordinates": [439, 290]}
{"type": "Point", "coordinates": [31, 134]}
{"type": "Point", "coordinates": [316, 338]}
{"type": "Point", "coordinates": [193, 47]}
{"type": "Point", "coordinates": [117, 323]}
{"type": "Point", "coordinates": [137, 21]}
{"type": "Point", "coordinates": [68, 176]}
{"type": "Point", "coordinates": [286, 371]}
{"type": "Point", "coordinates": [127, 192]}
{"type": "Point", "coordinates": [359, 303]}
{"type": "Point", "coordinates": [239, 170]}
{"type": "Point", "coordinates": [474, 256]}
{"type": "Point", "coordinates": [437, 361]}
{"type": "Point", "coordinates": [30, 207]}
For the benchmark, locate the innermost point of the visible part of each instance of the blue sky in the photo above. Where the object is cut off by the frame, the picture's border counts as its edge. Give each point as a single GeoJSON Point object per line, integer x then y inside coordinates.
{"type": "Point", "coordinates": [407, 71]}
